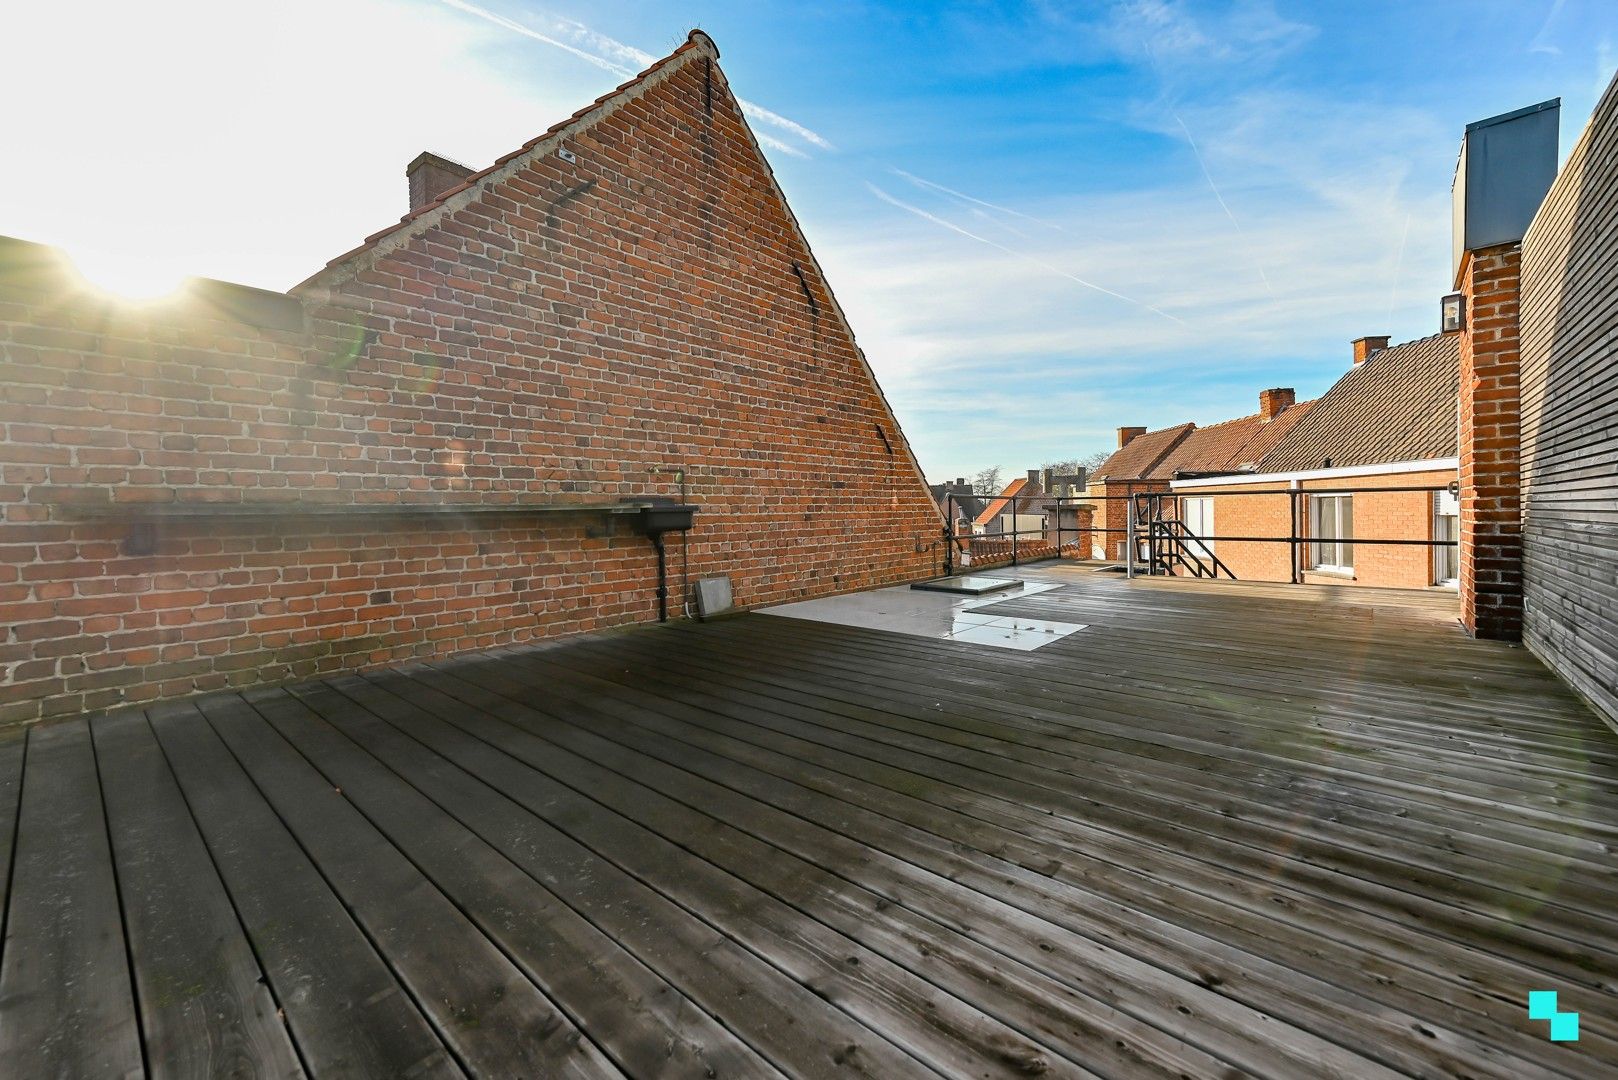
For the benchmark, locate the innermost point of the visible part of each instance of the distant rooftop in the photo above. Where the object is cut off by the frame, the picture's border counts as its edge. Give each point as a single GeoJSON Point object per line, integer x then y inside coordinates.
{"type": "Point", "coordinates": [1398, 405]}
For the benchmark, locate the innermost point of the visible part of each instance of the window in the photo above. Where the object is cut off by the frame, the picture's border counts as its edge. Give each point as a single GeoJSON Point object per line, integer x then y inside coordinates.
{"type": "Point", "coordinates": [1446, 526]}
{"type": "Point", "coordinates": [1331, 525]}
{"type": "Point", "coordinates": [1198, 515]}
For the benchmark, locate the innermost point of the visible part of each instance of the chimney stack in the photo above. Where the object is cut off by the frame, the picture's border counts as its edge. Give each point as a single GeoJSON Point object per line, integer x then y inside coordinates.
{"type": "Point", "coordinates": [1271, 402]}
{"type": "Point", "coordinates": [1365, 347]}
{"type": "Point", "coordinates": [1128, 434]}
{"type": "Point", "coordinates": [431, 175]}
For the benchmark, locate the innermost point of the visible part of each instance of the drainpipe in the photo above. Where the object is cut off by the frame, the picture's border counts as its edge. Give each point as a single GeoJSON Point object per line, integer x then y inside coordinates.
{"type": "Point", "coordinates": [1294, 488]}
{"type": "Point", "coordinates": [655, 520]}
{"type": "Point", "coordinates": [662, 579]}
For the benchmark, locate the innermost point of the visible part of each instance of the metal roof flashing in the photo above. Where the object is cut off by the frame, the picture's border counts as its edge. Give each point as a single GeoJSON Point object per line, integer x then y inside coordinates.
{"type": "Point", "coordinates": [1506, 165]}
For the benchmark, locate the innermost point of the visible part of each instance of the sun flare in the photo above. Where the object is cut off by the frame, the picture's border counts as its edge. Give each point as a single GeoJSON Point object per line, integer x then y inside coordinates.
{"type": "Point", "coordinates": [128, 276]}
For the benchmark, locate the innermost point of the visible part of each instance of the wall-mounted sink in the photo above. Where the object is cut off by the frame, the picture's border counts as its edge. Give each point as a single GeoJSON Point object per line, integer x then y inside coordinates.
{"type": "Point", "coordinates": [662, 518]}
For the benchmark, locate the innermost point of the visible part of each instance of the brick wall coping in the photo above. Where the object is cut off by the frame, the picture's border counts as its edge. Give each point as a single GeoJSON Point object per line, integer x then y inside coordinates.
{"type": "Point", "coordinates": [212, 510]}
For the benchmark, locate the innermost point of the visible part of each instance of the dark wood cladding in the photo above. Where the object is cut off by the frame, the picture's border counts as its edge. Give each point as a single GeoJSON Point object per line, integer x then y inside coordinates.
{"type": "Point", "coordinates": [1570, 417]}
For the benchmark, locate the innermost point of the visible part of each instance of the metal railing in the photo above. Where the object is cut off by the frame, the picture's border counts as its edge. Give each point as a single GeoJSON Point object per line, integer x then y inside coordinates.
{"type": "Point", "coordinates": [952, 539]}
{"type": "Point", "coordinates": [1157, 538]}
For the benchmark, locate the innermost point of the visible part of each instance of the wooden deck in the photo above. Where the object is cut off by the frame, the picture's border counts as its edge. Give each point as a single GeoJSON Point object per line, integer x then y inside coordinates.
{"type": "Point", "coordinates": [1227, 830]}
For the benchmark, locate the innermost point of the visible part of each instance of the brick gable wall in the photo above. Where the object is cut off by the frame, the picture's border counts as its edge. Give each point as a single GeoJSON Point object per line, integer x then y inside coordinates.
{"type": "Point", "coordinates": [581, 331]}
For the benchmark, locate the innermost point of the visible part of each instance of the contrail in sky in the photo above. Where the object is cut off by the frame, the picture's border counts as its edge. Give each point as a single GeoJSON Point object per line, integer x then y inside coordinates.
{"type": "Point", "coordinates": [952, 227]}
{"type": "Point", "coordinates": [627, 54]}
{"type": "Point", "coordinates": [961, 195]}
{"type": "Point", "coordinates": [1197, 153]}
{"type": "Point", "coordinates": [519, 28]}
{"type": "Point", "coordinates": [1398, 265]}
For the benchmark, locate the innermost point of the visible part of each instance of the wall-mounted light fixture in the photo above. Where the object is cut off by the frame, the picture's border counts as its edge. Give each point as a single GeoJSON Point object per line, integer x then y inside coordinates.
{"type": "Point", "coordinates": [1452, 313]}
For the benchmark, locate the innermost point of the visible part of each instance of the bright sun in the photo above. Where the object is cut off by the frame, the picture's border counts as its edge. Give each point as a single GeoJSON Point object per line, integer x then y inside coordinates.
{"type": "Point", "coordinates": [127, 276]}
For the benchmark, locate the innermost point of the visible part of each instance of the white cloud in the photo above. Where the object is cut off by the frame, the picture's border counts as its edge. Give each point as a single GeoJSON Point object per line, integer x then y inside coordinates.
{"type": "Point", "coordinates": [1173, 34]}
{"type": "Point", "coordinates": [989, 357]}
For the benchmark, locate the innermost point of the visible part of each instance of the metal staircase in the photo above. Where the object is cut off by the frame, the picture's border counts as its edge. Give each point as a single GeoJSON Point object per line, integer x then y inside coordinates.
{"type": "Point", "coordinates": [1167, 545]}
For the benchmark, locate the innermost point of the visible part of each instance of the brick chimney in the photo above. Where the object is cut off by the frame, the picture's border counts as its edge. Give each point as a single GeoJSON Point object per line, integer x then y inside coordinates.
{"type": "Point", "coordinates": [430, 176]}
{"type": "Point", "coordinates": [1491, 542]}
{"type": "Point", "coordinates": [1272, 401]}
{"type": "Point", "coordinates": [1128, 434]}
{"type": "Point", "coordinates": [1365, 346]}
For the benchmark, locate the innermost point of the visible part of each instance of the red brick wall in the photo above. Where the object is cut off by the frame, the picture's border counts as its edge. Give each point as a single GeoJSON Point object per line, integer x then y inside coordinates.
{"type": "Point", "coordinates": [1112, 514]}
{"type": "Point", "coordinates": [569, 332]}
{"type": "Point", "coordinates": [1490, 439]}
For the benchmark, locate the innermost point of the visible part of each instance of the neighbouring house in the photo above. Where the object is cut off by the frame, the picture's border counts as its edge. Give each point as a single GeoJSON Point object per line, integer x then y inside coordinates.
{"type": "Point", "coordinates": [958, 503]}
{"type": "Point", "coordinates": [1037, 516]}
{"type": "Point", "coordinates": [1150, 461]}
{"type": "Point", "coordinates": [1028, 504]}
{"type": "Point", "coordinates": [445, 439]}
{"type": "Point", "coordinates": [1015, 509]}
{"type": "Point", "coordinates": [1389, 422]}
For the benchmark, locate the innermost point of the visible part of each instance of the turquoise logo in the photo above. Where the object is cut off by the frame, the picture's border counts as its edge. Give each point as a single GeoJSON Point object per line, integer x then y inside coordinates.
{"type": "Point", "coordinates": [1564, 1025]}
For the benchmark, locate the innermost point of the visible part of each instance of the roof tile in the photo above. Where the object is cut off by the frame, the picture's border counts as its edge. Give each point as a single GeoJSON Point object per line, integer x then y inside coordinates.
{"type": "Point", "coordinates": [1398, 405]}
{"type": "Point", "coordinates": [1137, 458]}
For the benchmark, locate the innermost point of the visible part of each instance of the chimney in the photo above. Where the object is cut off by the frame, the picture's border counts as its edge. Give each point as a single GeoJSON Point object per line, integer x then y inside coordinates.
{"type": "Point", "coordinates": [1033, 480]}
{"type": "Point", "coordinates": [1126, 435]}
{"type": "Point", "coordinates": [1271, 402]}
{"type": "Point", "coordinates": [431, 176]}
{"type": "Point", "coordinates": [1365, 347]}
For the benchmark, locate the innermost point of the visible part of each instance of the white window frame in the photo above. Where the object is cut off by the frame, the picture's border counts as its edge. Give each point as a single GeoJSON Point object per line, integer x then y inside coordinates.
{"type": "Point", "coordinates": [1203, 526]}
{"type": "Point", "coordinates": [1446, 507]}
{"type": "Point", "coordinates": [1336, 555]}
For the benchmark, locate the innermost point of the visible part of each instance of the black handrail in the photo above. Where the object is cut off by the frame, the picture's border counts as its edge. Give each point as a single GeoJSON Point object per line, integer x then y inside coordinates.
{"type": "Point", "coordinates": [1142, 505]}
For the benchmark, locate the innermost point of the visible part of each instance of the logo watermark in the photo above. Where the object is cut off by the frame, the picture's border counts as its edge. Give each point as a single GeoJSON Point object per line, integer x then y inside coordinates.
{"type": "Point", "coordinates": [1564, 1025]}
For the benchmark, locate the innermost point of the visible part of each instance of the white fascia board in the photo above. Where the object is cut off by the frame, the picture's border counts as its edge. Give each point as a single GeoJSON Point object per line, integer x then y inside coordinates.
{"type": "Point", "coordinates": [1387, 468]}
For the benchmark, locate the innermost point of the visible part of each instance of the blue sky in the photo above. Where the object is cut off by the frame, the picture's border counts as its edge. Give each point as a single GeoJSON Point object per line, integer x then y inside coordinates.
{"type": "Point", "coordinates": [1045, 220]}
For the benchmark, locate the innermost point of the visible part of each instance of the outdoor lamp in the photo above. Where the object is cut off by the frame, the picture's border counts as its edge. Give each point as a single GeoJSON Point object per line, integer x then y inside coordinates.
{"type": "Point", "coordinates": [1452, 312]}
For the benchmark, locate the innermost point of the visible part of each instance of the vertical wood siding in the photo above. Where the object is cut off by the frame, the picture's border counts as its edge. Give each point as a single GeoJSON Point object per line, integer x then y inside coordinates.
{"type": "Point", "coordinates": [1570, 417]}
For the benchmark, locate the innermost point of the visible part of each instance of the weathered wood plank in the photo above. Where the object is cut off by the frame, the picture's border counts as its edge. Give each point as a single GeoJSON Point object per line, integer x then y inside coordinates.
{"type": "Point", "coordinates": [67, 1006]}
{"type": "Point", "coordinates": [1227, 754]}
{"type": "Point", "coordinates": [205, 1007]}
{"type": "Point", "coordinates": [825, 965]}
{"type": "Point", "coordinates": [1439, 861]}
{"type": "Point", "coordinates": [1039, 723]}
{"type": "Point", "coordinates": [1027, 841]}
{"type": "Point", "coordinates": [628, 1011]}
{"type": "Point", "coordinates": [12, 752]}
{"type": "Point", "coordinates": [1182, 842]}
{"type": "Point", "coordinates": [1031, 949]}
{"type": "Point", "coordinates": [494, 1020]}
{"type": "Point", "coordinates": [346, 1010]}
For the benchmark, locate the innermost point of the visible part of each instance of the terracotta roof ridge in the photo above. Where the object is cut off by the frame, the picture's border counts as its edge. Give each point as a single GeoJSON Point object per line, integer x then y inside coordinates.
{"type": "Point", "coordinates": [697, 40]}
{"type": "Point", "coordinates": [1233, 420]}
{"type": "Point", "coordinates": [998, 502]}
